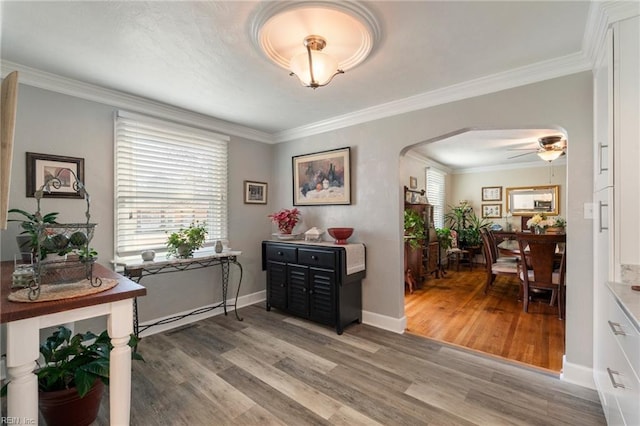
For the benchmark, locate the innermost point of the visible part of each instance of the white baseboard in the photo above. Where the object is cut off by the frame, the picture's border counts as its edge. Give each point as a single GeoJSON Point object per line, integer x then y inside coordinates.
{"type": "Point", "coordinates": [243, 301]}
{"type": "Point", "coordinates": [577, 374]}
{"type": "Point", "coordinates": [397, 325]}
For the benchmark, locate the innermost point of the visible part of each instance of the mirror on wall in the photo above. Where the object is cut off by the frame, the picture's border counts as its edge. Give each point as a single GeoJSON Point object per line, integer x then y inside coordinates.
{"type": "Point", "coordinates": [529, 200]}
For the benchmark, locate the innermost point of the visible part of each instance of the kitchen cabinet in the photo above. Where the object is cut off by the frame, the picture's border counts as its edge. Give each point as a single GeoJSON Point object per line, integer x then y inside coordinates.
{"type": "Point", "coordinates": [314, 281]}
{"type": "Point", "coordinates": [616, 231]}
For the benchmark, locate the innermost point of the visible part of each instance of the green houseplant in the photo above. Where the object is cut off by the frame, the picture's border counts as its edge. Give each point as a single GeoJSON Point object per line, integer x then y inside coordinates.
{"type": "Point", "coordinates": [185, 241]}
{"type": "Point", "coordinates": [75, 370]}
{"type": "Point", "coordinates": [414, 230]}
{"type": "Point", "coordinates": [467, 224]}
{"type": "Point", "coordinates": [28, 238]}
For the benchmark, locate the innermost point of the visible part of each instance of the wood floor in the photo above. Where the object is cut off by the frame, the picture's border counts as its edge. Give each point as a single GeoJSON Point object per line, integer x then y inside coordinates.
{"type": "Point", "coordinates": [271, 369]}
{"type": "Point", "coordinates": [454, 309]}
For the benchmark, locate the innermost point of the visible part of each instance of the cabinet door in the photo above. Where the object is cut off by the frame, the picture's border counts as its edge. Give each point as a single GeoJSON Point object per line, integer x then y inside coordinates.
{"type": "Point", "coordinates": [603, 116]}
{"type": "Point", "coordinates": [627, 135]}
{"type": "Point", "coordinates": [322, 284]}
{"type": "Point", "coordinates": [276, 285]}
{"type": "Point", "coordinates": [298, 291]}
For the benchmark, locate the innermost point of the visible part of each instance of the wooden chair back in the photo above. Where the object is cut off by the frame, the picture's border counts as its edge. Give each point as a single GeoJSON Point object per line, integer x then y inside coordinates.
{"type": "Point", "coordinates": [540, 254]}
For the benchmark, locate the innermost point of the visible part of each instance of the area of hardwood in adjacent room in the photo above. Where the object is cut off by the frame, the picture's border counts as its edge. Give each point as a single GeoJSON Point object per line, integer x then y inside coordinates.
{"type": "Point", "coordinates": [454, 309]}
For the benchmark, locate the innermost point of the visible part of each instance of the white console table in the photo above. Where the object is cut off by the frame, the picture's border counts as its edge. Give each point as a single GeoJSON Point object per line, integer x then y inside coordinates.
{"type": "Point", "coordinates": [24, 321]}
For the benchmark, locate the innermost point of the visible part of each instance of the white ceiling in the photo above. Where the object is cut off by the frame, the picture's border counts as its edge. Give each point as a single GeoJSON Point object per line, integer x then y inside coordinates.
{"type": "Point", "coordinates": [199, 56]}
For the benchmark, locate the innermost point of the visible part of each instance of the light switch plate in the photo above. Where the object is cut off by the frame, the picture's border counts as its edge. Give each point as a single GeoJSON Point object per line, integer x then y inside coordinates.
{"type": "Point", "coordinates": [588, 210]}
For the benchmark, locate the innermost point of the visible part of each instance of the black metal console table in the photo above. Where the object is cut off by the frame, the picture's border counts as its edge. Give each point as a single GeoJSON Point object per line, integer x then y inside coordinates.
{"type": "Point", "coordinates": [136, 272]}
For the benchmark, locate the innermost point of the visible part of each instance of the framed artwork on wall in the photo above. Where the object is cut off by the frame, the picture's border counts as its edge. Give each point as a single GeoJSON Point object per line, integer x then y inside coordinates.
{"type": "Point", "coordinates": [322, 178]}
{"type": "Point", "coordinates": [41, 167]}
{"type": "Point", "coordinates": [492, 193]}
{"type": "Point", "coordinates": [255, 192]}
{"type": "Point", "coordinates": [492, 211]}
{"type": "Point", "coordinates": [413, 182]}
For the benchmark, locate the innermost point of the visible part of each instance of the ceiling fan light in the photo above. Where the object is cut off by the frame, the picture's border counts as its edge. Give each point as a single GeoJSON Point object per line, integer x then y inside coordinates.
{"type": "Point", "coordinates": [550, 155]}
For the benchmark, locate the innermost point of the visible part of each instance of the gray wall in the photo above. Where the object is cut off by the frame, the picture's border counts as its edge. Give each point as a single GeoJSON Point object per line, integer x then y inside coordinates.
{"type": "Point", "coordinates": [53, 123]}
{"type": "Point", "coordinates": [565, 103]}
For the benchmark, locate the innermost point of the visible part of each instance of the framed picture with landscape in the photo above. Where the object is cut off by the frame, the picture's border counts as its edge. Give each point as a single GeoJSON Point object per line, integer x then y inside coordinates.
{"type": "Point", "coordinates": [322, 178]}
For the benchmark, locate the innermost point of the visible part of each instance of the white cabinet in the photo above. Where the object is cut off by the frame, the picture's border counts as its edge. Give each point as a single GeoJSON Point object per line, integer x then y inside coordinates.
{"type": "Point", "coordinates": [616, 363]}
{"type": "Point", "coordinates": [626, 130]}
{"type": "Point", "coordinates": [603, 116]}
{"type": "Point", "coordinates": [619, 379]}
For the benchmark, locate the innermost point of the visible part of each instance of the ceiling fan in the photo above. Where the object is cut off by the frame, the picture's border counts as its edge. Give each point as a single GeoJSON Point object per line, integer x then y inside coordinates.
{"type": "Point", "coordinates": [549, 148]}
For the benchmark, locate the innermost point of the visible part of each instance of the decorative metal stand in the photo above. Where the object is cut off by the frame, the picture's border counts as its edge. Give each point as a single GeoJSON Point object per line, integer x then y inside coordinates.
{"type": "Point", "coordinates": [62, 238]}
{"type": "Point", "coordinates": [137, 272]}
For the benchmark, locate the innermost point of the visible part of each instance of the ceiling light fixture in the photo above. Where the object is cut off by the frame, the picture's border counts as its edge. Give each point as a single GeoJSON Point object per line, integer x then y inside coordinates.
{"type": "Point", "coordinates": [314, 68]}
{"type": "Point", "coordinates": [315, 40]}
{"type": "Point", "coordinates": [550, 155]}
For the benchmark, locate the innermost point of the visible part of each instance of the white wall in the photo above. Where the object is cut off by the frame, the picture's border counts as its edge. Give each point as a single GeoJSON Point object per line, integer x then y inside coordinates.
{"type": "Point", "coordinates": [377, 187]}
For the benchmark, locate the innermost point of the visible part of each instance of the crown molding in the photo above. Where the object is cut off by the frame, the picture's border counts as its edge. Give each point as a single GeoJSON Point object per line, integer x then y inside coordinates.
{"type": "Point", "coordinates": [540, 71]}
{"type": "Point", "coordinates": [55, 83]}
{"type": "Point", "coordinates": [601, 16]}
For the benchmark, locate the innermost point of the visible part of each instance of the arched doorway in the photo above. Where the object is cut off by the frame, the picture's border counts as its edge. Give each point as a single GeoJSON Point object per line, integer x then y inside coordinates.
{"type": "Point", "coordinates": [454, 309]}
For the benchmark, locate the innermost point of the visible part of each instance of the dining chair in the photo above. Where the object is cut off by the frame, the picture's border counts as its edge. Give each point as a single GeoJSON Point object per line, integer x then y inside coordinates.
{"type": "Point", "coordinates": [543, 267]}
{"type": "Point", "coordinates": [456, 254]}
{"type": "Point", "coordinates": [494, 247]}
{"type": "Point", "coordinates": [493, 266]}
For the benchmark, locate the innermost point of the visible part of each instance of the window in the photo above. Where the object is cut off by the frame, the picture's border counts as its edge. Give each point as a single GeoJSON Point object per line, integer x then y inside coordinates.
{"type": "Point", "coordinates": [166, 176]}
{"type": "Point", "coordinates": [436, 195]}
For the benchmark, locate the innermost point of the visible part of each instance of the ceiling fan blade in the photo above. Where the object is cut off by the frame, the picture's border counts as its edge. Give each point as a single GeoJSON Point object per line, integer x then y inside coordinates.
{"type": "Point", "coordinates": [521, 155]}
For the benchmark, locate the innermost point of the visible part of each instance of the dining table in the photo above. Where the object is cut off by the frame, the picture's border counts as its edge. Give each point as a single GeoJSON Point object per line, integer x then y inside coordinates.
{"type": "Point", "coordinates": [512, 248]}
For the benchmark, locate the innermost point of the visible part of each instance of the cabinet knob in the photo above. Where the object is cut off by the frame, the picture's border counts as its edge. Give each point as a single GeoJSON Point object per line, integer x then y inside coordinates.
{"type": "Point", "coordinates": [314, 257]}
{"type": "Point", "coordinates": [280, 253]}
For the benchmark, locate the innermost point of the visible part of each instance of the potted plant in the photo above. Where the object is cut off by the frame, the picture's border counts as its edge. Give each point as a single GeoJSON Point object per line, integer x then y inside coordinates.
{"type": "Point", "coordinates": [413, 228]}
{"type": "Point", "coordinates": [72, 378]}
{"type": "Point", "coordinates": [185, 241]}
{"type": "Point", "coordinates": [558, 225]}
{"type": "Point", "coordinates": [286, 219]}
{"type": "Point", "coordinates": [28, 238]}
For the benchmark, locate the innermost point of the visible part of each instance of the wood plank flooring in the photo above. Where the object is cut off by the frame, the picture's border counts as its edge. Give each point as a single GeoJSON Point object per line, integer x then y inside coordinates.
{"type": "Point", "coordinates": [454, 309]}
{"type": "Point", "coordinates": [272, 369]}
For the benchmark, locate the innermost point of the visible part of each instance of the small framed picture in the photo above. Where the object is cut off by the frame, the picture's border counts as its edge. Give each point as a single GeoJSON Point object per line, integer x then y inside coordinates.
{"type": "Point", "coordinates": [62, 172]}
{"type": "Point", "coordinates": [255, 192]}
{"type": "Point", "coordinates": [492, 211]}
{"type": "Point", "coordinates": [492, 193]}
{"type": "Point", "coordinates": [413, 182]}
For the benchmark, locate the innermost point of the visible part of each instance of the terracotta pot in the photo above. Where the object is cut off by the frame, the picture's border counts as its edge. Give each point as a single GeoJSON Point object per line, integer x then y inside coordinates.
{"type": "Point", "coordinates": [66, 408]}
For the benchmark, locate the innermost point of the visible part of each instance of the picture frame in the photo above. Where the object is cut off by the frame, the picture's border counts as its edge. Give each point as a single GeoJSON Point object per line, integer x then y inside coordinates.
{"type": "Point", "coordinates": [491, 193]}
{"type": "Point", "coordinates": [413, 182]}
{"type": "Point", "coordinates": [255, 192]}
{"type": "Point", "coordinates": [492, 211]}
{"type": "Point", "coordinates": [322, 178]}
{"type": "Point", "coordinates": [42, 166]}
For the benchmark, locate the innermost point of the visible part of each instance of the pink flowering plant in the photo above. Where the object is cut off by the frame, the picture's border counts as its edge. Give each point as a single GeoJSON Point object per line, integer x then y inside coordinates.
{"type": "Point", "coordinates": [286, 219]}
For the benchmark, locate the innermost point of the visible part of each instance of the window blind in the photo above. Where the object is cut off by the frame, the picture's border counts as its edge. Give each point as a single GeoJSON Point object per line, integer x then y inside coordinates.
{"type": "Point", "coordinates": [436, 195]}
{"type": "Point", "coordinates": [166, 177]}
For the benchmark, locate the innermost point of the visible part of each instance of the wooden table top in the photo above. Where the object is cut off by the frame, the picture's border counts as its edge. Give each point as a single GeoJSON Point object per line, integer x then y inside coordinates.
{"type": "Point", "coordinates": [12, 311]}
